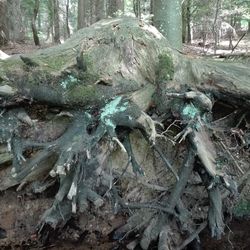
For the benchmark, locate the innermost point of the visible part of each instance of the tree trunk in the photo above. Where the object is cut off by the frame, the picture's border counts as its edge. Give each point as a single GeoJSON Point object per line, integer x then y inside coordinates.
{"type": "Point", "coordinates": [99, 10]}
{"type": "Point", "coordinates": [216, 25]}
{"type": "Point", "coordinates": [33, 25]}
{"type": "Point", "coordinates": [90, 12]}
{"type": "Point", "coordinates": [67, 19]}
{"type": "Point", "coordinates": [56, 20]}
{"type": "Point", "coordinates": [15, 27]}
{"type": "Point", "coordinates": [114, 7]}
{"type": "Point", "coordinates": [188, 15]}
{"type": "Point", "coordinates": [84, 13]}
{"type": "Point", "coordinates": [168, 19]}
{"type": "Point", "coordinates": [125, 123]}
{"type": "Point", "coordinates": [4, 32]}
{"type": "Point", "coordinates": [49, 27]}
{"type": "Point", "coordinates": [137, 8]}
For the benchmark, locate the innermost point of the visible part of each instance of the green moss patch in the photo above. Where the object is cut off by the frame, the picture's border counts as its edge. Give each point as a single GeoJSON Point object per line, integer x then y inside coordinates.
{"type": "Point", "coordinates": [190, 111]}
{"type": "Point", "coordinates": [80, 93]}
{"type": "Point", "coordinates": [242, 209]}
{"type": "Point", "coordinates": [165, 68]}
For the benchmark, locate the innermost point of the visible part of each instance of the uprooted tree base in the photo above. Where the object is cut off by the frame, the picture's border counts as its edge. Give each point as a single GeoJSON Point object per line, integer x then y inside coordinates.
{"type": "Point", "coordinates": [115, 122]}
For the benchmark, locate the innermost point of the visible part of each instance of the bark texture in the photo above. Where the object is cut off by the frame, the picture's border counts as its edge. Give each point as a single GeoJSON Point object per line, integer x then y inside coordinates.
{"type": "Point", "coordinates": [168, 19]}
{"type": "Point", "coordinates": [4, 33]}
{"type": "Point", "coordinates": [33, 25]}
{"type": "Point", "coordinates": [15, 25]}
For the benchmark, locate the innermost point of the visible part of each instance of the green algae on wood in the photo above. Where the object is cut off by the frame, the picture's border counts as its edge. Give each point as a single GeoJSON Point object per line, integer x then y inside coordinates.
{"type": "Point", "coordinates": [165, 68]}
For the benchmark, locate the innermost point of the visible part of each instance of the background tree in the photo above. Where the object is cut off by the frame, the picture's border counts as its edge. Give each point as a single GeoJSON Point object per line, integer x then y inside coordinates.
{"type": "Point", "coordinates": [90, 12]}
{"type": "Point", "coordinates": [100, 12]}
{"type": "Point", "coordinates": [34, 19]}
{"type": "Point", "coordinates": [15, 25]}
{"type": "Point", "coordinates": [4, 31]}
{"type": "Point", "coordinates": [84, 13]}
{"type": "Point", "coordinates": [137, 8]}
{"type": "Point", "coordinates": [114, 7]}
{"type": "Point", "coordinates": [168, 19]}
{"type": "Point", "coordinates": [67, 19]}
{"type": "Point", "coordinates": [186, 22]}
{"type": "Point", "coordinates": [56, 20]}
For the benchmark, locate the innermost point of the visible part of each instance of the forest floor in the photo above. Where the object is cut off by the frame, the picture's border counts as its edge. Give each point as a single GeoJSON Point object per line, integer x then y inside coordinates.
{"type": "Point", "coordinates": [27, 208]}
{"type": "Point", "coordinates": [194, 49]}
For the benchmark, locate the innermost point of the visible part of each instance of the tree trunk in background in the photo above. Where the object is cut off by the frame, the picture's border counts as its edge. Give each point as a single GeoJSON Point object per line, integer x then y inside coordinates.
{"type": "Point", "coordinates": [33, 25]}
{"type": "Point", "coordinates": [89, 12]}
{"type": "Point", "coordinates": [50, 31]}
{"type": "Point", "coordinates": [137, 8]}
{"type": "Point", "coordinates": [16, 30]}
{"type": "Point", "coordinates": [168, 19]}
{"type": "Point", "coordinates": [67, 19]}
{"type": "Point", "coordinates": [4, 33]}
{"type": "Point", "coordinates": [114, 6]}
{"type": "Point", "coordinates": [56, 21]}
{"type": "Point", "coordinates": [84, 13]}
{"type": "Point", "coordinates": [216, 24]}
{"type": "Point", "coordinates": [99, 10]}
{"type": "Point", "coordinates": [189, 31]}
{"type": "Point", "coordinates": [186, 22]}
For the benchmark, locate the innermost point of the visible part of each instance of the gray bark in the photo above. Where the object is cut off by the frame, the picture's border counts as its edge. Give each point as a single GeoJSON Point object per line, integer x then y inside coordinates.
{"type": "Point", "coordinates": [56, 21]}
{"type": "Point", "coordinates": [84, 13]}
{"type": "Point", "coordinates": [33, 25]}
{"type": "Point", "coordinates": [15, 26]}
{"type": "Point", "coordinates": [4, 32]}
{"type": "Point", "coordinates": [168, 20]}
{"type": "Point", "coordinates": [67, 19]}
{"type": "Point", "coordinates": [114, 7]}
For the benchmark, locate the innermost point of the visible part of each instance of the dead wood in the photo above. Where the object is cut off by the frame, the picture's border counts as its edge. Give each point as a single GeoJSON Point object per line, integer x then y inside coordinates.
{"type": "Point", "coordinates": [93, 119]}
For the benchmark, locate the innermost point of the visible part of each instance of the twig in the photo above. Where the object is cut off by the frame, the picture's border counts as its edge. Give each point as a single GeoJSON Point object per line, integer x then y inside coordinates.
{"type": "Point", "coordinates": [241, 119]}
{"type": "Point", "coordinates": [229, 153]}
{"type": "Point", "coordinates": [192, 236]}
{"type": "Point", "coordinates": [238, 42]}
{"type": "Point", "coordinates": [149, 206]}
{"type": "Point", "coordinates": [166, 161]}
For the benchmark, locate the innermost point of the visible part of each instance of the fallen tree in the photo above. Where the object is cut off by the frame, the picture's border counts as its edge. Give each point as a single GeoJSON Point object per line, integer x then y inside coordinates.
{"type": "Point", "coordinates": [117, 122]}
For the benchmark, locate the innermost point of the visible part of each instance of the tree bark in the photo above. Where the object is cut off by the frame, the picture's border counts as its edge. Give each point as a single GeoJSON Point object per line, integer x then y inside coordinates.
{"type": "Point", "coordinates": [67, 19]}
{"type": "Point", "coordinates": [4, 32]}
{"type": "Point", "coordinates": [84, 13]}
{"type": "Point", "coordinates": [15, 27]}
{"type": "Point", "coordinates": [124, 118]}
{"type": "Point", "coordinates": [33, 25]}
{"type": "Point", "coordinates": [168, 19]}
{"type": "Point", "coordinates": [56, 20]}
{"type": "Point", "coordinates": [114, 6]}
{"type": "Point", "coordinates": [99, 10]}
{"type": "Point", "coordinates": [137, 8]}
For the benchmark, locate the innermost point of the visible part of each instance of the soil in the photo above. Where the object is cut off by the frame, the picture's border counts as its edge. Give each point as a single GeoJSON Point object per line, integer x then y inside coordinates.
{"type": "Point", "coordinates": [20, 214]}
{"type": "Point", "coordinates": [237, 237]}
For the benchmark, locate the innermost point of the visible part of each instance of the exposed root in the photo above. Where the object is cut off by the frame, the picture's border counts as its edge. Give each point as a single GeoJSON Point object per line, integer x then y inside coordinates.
{"type": "Point", "coordinates": [75, 159]}
{"type": "Point", "coordinates": [193, 236]}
